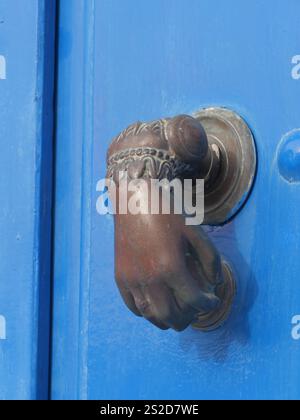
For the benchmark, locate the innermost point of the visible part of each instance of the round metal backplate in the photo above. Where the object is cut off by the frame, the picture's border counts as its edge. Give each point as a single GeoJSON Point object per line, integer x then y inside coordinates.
{"type": "Point", "coordinates": [231, 134]}
{"type": "Point", "coordinates": [226, 292]}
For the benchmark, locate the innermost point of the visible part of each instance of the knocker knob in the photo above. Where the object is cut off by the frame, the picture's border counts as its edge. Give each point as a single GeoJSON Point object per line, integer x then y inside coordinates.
{"type": "Point", "coordinates": [187, 139]}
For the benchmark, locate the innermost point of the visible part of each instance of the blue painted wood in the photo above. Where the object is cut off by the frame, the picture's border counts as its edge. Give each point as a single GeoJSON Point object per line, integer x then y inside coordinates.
{"type": "Point", "coordinates": [120, 61]}
{"type": "Point", "coordinates": [72, 202]}
{"type": "Point", "coordinates": [26, 102]}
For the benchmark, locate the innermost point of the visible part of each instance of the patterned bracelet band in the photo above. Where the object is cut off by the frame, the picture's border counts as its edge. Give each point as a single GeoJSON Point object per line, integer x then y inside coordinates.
{"type": "Point", "coordinates": [146, 163]}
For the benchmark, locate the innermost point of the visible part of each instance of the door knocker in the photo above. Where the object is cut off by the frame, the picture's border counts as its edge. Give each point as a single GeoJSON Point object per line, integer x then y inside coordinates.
{"type": "Point", "coordinates": [169, 271]}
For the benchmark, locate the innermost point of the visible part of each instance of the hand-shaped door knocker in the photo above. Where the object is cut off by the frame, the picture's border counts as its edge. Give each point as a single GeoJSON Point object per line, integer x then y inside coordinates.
{"type": "Point", "coordinates": [168, 270]}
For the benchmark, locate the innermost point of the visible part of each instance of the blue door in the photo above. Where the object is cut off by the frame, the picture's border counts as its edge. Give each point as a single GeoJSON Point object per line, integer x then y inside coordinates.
{"type": "Point", "coordinates": [26, 132]}
{"type": "Point", "coordinates": [119, 61]}
{"type": "Point", "coordinates": [122, 61]}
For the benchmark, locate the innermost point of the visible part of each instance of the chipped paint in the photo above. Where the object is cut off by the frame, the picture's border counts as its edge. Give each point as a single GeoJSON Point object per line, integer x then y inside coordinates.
{"type": "Point", "coordinates": [2, 67]}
